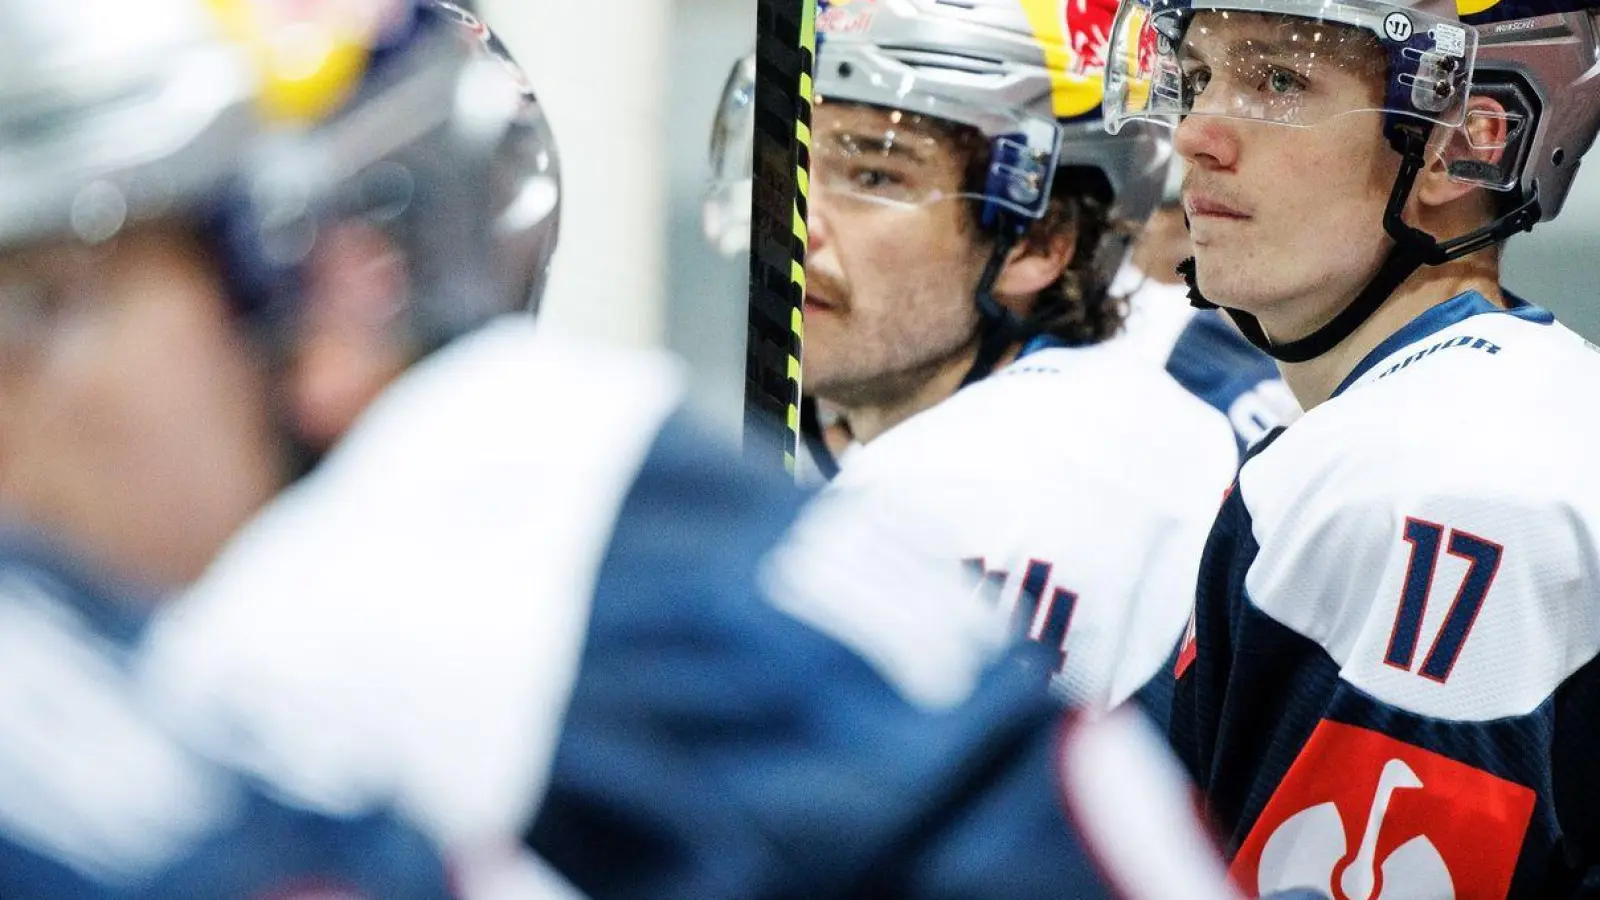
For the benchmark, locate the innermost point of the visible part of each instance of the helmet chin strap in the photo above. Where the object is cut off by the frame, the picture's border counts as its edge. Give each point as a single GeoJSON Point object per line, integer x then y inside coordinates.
{"type": "Point", "coordinates": [816, 444]}
{"type": "Point", "coordinates": [1412, 249]}
{"type": "Point", "coordinates": [998, 327]}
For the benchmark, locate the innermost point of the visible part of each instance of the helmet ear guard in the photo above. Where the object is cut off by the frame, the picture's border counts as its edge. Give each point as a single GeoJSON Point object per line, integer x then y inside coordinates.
{"type": "Point", "coordinates": [1022, 169]}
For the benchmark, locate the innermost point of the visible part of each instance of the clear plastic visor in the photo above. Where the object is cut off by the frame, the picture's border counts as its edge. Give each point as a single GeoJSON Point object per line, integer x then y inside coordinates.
{"type": "Point", "coordinates": [726, 210]}
{"type": "Point", "coordinates": [1289, 62]}
{"type": "Point", "coordinates": [898, 158]}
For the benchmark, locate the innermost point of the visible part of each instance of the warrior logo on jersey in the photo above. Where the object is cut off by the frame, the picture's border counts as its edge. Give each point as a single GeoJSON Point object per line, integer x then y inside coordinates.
{"type": "Point", "coordinates": [1362, 816]}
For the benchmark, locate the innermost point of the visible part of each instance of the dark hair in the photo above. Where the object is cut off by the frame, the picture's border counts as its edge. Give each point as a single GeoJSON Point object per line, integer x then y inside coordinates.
{"type": "Point", "coordinates": [1078, 307]}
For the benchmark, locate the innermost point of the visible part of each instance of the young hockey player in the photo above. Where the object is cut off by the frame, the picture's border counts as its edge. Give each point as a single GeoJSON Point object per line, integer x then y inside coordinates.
{"type": "Point", "coordinates": [1389, 685]}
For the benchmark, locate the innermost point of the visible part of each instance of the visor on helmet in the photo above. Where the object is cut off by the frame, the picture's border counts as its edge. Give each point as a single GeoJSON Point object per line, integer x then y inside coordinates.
{"type": "Point", "coordinates": [1285, 62]}
{"type": "Point", "coordinates": [904, 156]}
{"type": "Point", "coordinates": [725, 211]}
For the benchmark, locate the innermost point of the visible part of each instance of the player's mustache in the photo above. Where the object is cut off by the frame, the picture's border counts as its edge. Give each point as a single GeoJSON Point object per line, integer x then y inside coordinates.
{"type": "Point", "coordinates": [825, 287]}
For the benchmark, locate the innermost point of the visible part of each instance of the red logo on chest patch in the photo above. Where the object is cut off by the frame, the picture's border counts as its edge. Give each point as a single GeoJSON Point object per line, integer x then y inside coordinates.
{"type": "Point", "coordinates": [1362, 816]}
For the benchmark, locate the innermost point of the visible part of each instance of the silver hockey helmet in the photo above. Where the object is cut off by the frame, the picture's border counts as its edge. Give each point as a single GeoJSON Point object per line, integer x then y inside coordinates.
{"type": "Point", "coordinates": [260, 120]}
{"type": "Point", "coordinates": [1428, 62]}
{"type": "Point", "coordinates": [1538, 58]}
{"type": "Point", "coordinates": [1027, 74]}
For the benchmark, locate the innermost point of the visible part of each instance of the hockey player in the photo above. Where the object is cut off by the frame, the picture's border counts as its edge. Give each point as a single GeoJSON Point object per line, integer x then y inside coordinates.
{"type": "Point", "coordinates": [245, 242]}
{"type": "Point", "coordinates": [965, 219]}
{"type": "Point", "coordinates": [1388, 688]}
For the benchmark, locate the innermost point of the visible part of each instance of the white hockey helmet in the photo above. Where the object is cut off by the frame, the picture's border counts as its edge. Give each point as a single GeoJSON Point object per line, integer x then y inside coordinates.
{"type": "Point", "coordinates": [1539, 58]}
{"type": "Point", "coordinates": [1027, 74]}
{"type": "Point", "coordinates": [259, 120]}
{"type": "Point", "coordinates": [1261, 59]}
{"type": "Point", "coordinates": [726, 209]}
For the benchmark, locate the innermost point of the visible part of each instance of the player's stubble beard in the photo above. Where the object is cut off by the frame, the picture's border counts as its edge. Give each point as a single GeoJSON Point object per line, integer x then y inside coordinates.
{"type": "Point", "coordinates": [884, 357]}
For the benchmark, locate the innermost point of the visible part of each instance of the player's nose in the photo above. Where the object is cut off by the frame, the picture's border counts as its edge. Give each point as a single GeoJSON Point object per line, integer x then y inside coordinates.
{"type": "Point", "coordinates": [819, 233]}
{"type": "Point", "coordinates": [1209, 142]}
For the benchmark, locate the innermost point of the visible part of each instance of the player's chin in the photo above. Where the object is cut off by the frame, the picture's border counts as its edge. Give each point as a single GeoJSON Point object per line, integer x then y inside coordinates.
{"type": "Point", "coordinates": [1223, 281]}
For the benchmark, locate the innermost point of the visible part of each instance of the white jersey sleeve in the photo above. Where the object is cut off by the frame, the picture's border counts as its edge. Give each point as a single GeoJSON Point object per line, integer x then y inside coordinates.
{"type": "Point", "coordinates": [358, 590]}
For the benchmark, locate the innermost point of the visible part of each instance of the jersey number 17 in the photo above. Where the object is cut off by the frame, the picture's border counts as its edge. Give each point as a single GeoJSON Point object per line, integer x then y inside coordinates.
{"type": "Point", "coordinates": [1483, 562]}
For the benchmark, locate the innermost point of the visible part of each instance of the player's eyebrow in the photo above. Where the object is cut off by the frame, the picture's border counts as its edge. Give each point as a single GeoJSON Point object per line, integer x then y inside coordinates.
{"type": "Point", "coordinates": [885, 143]}
{"type": "Point", "coordinates": [1246, 48]}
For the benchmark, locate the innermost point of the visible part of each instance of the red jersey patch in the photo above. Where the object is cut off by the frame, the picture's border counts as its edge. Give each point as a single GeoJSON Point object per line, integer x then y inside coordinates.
{"type": "Point", "coordinates": [1362, 816]}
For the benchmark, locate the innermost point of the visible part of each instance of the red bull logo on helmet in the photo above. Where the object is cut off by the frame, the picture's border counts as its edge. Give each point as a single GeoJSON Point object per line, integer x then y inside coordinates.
{"type": "Point", "coordinates": [845, 16]}
{"type": "Point", "coordinates": [1087, 25]}
{"type": "Point", "coordinates": [1075, 37]}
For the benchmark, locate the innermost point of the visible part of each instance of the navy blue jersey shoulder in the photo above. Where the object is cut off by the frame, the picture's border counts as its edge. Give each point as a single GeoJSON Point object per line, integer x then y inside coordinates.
{"type": "Point", "coordinates": [1154, 698]}
{"type": "Point", "coordinates": [70, 700]}
{"type": "Point", "coordinates": [1215, 363]}
{"type": "Point", "coordinates": [1259, 709]}
{"type": "Point", "coordinates": [716, 747]}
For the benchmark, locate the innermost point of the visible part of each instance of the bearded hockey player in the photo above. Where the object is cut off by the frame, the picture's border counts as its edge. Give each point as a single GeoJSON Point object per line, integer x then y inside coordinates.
{"type": "Point", "coordinates": [965, 221]}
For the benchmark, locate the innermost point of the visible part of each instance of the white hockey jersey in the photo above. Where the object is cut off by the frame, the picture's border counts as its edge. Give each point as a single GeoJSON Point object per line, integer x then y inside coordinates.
{"type": "Point", "coordinates": [1077, 484]}
{"type": "Point", "coordinates": [1393, 674]}
{"type": "Point", "coordinates": [1205, 354]}
{"type": "Point", "coordinates": [525, 602]}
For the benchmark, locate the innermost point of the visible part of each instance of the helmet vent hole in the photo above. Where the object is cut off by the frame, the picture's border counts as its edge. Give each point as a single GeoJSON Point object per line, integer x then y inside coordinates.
{"type": "Point", "coordinates": [1558, 157]}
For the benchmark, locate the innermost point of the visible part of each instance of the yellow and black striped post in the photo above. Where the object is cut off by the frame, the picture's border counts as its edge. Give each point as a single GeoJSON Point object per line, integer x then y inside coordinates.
{"type": "Point", "coordinates": [785, 51]}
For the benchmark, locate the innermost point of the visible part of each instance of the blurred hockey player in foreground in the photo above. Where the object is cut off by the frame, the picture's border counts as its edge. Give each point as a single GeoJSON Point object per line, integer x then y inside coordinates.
{"type": "Point", "coordinates": [261, 296]}
{"type": "Point", "coordinates": [1389, 688]}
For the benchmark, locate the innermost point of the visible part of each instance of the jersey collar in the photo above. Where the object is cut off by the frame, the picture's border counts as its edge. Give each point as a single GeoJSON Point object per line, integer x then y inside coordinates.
{"type": "Point", "coordinates": [1457, 309]}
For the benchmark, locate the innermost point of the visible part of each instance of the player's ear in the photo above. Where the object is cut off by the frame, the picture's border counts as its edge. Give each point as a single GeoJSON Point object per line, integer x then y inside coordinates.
{"type": "Point", "coordinates": [1035, 263]}
{"type": "Point", "coordinates": [349, 343]}
{"type": "Point", "coordinates": [1480, 140]}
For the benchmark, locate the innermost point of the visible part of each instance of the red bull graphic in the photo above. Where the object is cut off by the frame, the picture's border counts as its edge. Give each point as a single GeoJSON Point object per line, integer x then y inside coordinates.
{"type": "Point", "coordinates": [1075, 37]}
{"type": "Point", "coordinates": [1087, 27]}
{"type": "Point", "coordinates": [845, 16]}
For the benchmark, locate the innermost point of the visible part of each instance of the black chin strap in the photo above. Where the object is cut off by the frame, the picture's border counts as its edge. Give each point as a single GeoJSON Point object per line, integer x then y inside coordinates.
{"type": "Point", "coordinates": [998, 328]}
{"type": "Point", "coordinates": [1412, 249]}
{"type": "Point", "coordinates": [811, 434]}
